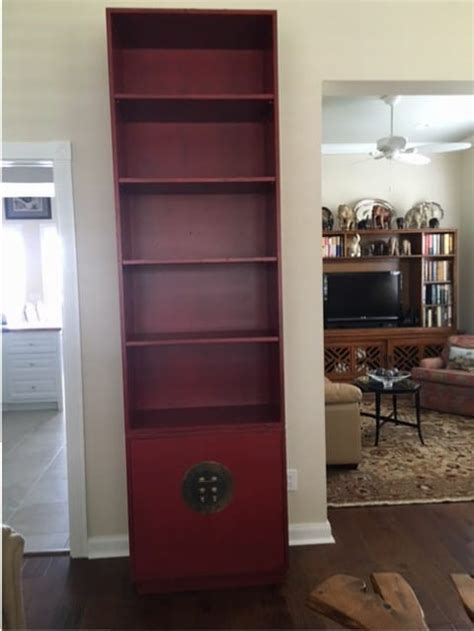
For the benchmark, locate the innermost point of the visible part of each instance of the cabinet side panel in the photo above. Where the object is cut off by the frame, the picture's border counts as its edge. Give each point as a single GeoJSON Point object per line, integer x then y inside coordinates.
{"type": "Point", "coordinates": [114, 59]}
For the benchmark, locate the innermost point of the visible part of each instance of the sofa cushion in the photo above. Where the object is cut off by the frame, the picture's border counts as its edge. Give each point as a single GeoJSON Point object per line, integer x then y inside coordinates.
{"type": "Point", "coordinates": [464, 341]}
{"type": "Point", "coordinates": [446, 376]}
{"type": "Point", "coordinates": [461, 358]}
{"type": "Point", "coordinates": [432, 362]}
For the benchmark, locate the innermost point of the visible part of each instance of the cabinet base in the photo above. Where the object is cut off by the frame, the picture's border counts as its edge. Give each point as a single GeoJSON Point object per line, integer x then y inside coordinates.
{"type": "Point", "coordinates": [199, 583]}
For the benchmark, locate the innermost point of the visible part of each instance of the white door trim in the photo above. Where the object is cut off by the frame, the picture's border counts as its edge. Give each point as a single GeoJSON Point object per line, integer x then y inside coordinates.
{"type": "Point", "coordinates": [59, 153]}
{"type": "Point", "coordinates": [310, 534]}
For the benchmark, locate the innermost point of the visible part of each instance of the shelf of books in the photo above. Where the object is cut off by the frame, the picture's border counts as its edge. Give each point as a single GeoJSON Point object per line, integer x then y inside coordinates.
{"type": "Point", "coordinates": [438, 244]}
{"type": "Point", "coordinates": [438, 291]}
{"type": "Point", "coordinates": [439, 271]}
{"type": "Point", "coordinates": [333, 247]}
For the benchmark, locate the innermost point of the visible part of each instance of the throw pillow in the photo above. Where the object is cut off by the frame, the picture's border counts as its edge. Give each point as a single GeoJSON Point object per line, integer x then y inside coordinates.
{"type": "Point", "coordinates": [461, 358]}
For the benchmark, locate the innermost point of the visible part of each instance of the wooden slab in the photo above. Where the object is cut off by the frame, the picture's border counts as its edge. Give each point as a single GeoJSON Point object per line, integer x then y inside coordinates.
{"type": "Point", "coordinates": [465, 586]}
{"type": "Point", "coordinates": [346, 600]}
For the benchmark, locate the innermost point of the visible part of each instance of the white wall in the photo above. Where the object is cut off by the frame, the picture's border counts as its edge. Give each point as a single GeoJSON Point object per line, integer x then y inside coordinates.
{"type": "Point", "coordinates": [466, 299]}
{"type": "Point", "coordinates": [348, 179]}
{"type": "Point", "coordinates": [30, 231]}
{"type": "Point", "coordinates": [55, 87]}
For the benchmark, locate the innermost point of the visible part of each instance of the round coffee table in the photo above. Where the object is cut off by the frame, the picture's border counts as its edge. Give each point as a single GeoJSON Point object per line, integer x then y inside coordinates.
{"type": "Point", "coordinates": [407, 386]}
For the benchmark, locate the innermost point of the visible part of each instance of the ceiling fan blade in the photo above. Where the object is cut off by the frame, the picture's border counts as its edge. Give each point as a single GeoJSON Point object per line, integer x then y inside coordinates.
{"type": "Point", "coordinates": [411, 157]}
{"type": "Point", "coordinates": [346, 148]}
{"type": "Point", "coordinates": [445, 147]}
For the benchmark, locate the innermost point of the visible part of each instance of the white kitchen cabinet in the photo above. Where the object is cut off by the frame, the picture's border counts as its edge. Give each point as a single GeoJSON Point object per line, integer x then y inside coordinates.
{"type": "Point", "coordinates": [32, 375]}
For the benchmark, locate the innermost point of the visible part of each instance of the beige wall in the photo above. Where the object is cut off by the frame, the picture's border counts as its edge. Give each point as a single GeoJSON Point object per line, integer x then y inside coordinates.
{"type": "Point", "coordinates": [347, 179]}
{"type": "Point", "coordinates": [466, 299]}
{"type": "Point", "coordinates": [55, 82]}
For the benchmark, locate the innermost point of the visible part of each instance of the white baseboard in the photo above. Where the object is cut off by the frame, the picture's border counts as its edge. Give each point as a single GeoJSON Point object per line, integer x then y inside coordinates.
{"type": "Point", "coordinates": [108, 547]}
{"type": "Point", "coordinates": [299, 534]}
{"type": "Point", "coordinates": [309, 534]}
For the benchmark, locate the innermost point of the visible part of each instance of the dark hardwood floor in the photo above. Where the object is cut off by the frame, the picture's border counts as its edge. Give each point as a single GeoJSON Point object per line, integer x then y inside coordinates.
{"type": "Point", "coordinates": [424, 543]}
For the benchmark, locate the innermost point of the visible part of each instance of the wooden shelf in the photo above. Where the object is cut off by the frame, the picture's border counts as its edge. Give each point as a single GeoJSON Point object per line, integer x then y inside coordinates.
{"type": "Point", "coordinates": [194, 108]}
{"type": "Point", "coordinates": [215, 337]}
{"type": "Point", "coordinates": [438, 256]}
{"type": "Point", "coordinates": [197, 185]}
{"type": "Point", "coordinates": [390, 231]}
{"type": "Point", "coordinates": [193, 102]}
{"type": "Point", "coordinates": [124, 96]}
{"type": "Point", "coordinates": [193, 417]}
{"type": "Point", "coordinates": [375, 257]}
{"type": "Point", "coordinates": [214, 261]}
{"type": "Point", "coordinates": [348, 352]}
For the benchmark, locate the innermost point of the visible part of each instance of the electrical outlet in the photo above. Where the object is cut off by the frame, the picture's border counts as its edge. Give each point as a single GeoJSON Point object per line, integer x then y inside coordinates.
{"type": "Point", "coordinates": [292, 479]}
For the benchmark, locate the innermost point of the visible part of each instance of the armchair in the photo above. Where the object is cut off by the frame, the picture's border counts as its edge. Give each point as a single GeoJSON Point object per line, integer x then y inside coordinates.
{"type": "Point", "coordinates": [13, 614]}
{"type": "Point", "coordinates": [343, 433]}
{"type": "Point", "coordinates": [443, 388]}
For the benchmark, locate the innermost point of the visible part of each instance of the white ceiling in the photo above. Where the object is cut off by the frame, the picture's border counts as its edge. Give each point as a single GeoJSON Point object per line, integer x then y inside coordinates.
{"type": "Point", "coordinates": [419, 118]}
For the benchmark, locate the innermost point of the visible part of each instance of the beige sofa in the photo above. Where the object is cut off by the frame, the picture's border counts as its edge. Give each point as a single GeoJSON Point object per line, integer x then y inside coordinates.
{"type": "Point", "coordinates": [343, 434]}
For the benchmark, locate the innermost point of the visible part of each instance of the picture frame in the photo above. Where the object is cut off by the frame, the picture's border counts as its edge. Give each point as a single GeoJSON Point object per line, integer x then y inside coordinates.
{"type": "Point", "coordinates": [27, 208]}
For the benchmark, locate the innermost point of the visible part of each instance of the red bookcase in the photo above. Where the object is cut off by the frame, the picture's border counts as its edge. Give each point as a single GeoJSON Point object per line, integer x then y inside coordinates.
{"type": "Point", "coordinates": [195, 138]}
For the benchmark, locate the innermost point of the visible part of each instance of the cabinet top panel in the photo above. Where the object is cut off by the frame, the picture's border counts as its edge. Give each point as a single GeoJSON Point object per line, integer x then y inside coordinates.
{"type": "Point", "coordinates": [155, 28]}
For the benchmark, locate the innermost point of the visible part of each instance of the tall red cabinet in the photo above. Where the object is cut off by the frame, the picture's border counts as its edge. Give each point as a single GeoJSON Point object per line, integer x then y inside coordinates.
{"type": "Point", "coordinates": [195, 138]}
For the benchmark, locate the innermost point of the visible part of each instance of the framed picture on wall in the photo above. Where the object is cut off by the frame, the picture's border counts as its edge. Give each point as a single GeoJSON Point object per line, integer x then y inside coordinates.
{"type": "Point", "coordinates": [27, 207]}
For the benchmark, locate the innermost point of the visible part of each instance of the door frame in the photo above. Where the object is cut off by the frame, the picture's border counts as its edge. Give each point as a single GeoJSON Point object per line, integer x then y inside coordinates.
{"type": "Point", "coordinates": [59, 155]}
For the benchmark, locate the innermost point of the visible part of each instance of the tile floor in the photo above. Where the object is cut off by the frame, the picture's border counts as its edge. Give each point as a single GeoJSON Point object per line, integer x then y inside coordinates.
{"type": "Point", "coordinates": [34, 478]}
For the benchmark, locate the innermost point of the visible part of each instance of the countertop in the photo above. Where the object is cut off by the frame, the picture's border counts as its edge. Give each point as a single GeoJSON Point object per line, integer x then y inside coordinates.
{"type": "Point", "coordinates": [29, 327]}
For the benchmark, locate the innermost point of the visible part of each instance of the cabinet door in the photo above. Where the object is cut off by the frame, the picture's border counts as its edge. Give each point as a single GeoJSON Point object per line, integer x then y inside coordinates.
{"type": "Point", "coordinates": [172, 541]}
{"type": "Point", "coordinates": [338, 361]}
{"type": "Point", "coordinates": [368, 355]}
{"type": "Point", "coordinates": [349, 360]}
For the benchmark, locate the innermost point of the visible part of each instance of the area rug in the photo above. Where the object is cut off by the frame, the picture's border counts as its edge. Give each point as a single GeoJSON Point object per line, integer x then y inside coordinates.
{"type": "Point", "coordinates": [403, 471]}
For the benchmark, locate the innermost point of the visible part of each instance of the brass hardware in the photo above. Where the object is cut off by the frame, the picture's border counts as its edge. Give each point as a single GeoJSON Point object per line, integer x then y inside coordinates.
{"type": "Point", "coordinates": [207, 487]}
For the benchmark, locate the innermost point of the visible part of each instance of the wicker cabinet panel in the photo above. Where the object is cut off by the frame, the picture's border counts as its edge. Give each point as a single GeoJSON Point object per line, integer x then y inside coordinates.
{"type": "Point", "coordinates": [338, 361]}
{"type": "Point", "coordinates": [347, 356]}
{"type": "Point", "coordinates": [349, 361]}
{"type": "Point", "coordinates": [368, 356]}
{"type": "Point", "coordinates": [406, 356]}
{"type": "Point", "coordinates": [432, 350]}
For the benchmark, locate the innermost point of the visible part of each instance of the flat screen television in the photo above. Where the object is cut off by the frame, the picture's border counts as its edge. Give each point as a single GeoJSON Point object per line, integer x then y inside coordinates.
{"type": "Point", "coordinates": [362, 299]}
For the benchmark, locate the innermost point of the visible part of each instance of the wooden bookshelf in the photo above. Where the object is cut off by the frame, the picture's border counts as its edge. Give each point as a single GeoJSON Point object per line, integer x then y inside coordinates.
{"type": "Point", "coordinates": [430, 290]}
{"type": "Point", "coordinates": [194, 104]}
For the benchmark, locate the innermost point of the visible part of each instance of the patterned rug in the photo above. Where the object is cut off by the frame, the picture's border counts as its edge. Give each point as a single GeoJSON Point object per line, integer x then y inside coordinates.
{"type": "Point", "coordinates": [403, 471]}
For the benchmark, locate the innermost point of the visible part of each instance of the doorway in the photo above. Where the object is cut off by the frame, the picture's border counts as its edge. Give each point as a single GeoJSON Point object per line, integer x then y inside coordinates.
{"type": "Point", "coordinates": [43, 440]}
{"type": "Point", "coordinates": [35, 481]}
{"type": "Point", "coordinates": [430, 171]}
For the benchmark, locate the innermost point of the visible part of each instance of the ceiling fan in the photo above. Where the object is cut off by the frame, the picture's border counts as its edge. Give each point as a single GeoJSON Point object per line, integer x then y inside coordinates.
{"type": "Point", "coordinates": [396, 147]}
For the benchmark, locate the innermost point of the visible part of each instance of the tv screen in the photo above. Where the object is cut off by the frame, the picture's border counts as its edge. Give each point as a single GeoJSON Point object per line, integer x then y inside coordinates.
{"type": "Point", "coordinates": [362, 297]}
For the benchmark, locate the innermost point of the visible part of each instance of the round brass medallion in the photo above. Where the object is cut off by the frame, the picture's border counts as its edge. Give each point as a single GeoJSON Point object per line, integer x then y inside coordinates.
{"type": "Point", "coordinates": [207, 487]}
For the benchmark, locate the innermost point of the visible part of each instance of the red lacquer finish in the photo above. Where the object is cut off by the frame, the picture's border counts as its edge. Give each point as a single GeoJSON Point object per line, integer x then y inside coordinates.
{"type": "Point", "coordinates": [241, 539]}
{"type": "Point", "coordinates": [194, 108]}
